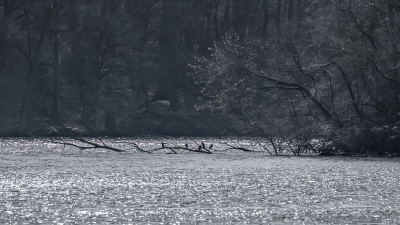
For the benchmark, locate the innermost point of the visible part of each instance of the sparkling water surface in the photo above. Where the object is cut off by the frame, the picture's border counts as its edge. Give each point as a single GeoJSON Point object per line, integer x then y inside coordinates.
{"type": "Point", "coordinates": [45, 183]}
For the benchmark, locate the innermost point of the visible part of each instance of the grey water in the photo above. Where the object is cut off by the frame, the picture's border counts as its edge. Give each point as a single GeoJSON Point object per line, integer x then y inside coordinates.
{"type": "Point", "coordinates": [46, 183]}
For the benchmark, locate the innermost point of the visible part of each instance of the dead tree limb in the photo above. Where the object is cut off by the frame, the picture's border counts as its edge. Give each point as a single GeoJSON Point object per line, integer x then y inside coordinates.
{"type": "Point", "coordinates": [175, 148]}
{"type": "Point", "coordinates": [89, 144]}
{"type": "Point", "coordinates": [264, 147]}
{"type": "Point", "coordinates": [231, 147]}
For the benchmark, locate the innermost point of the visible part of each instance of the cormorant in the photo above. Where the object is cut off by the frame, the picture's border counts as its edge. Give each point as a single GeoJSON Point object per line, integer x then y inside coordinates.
{"type": "Point", "coordinates": [211, 146]}
{"type": "Point", "coordinates": [203, 145]}
{"type": "Point", "coordinates": [187, 146]}
{"type": "Point", "coordinates": [199, 147]}
{"type": "Point", "coordinates": [163, 144]}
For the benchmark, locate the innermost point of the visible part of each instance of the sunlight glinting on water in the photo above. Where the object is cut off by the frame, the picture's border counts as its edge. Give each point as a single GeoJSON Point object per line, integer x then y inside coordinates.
{"type": "Point", "coordinates": [68, 186]}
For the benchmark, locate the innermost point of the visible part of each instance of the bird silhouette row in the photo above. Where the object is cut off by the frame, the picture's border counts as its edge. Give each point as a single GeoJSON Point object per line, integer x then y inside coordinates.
{"type": "Point", "coordinates": [201, 146]}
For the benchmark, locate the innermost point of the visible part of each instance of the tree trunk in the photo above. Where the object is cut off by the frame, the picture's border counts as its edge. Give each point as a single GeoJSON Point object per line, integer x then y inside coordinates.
{"type": "Point", "coordinates": [278, 16]}
{"type": "Point", "coordinates": [291, 11]}
{"type": "Point", "coordinates": [285, 12]}
{"type": "Point", "coordinates": [299, 9]}
{"type": "Point", "coordinates": [351, 93]}
{"type": "Point", "coordinates": [7, 10]}
{"type": "Point", "coordinates": [32, 75]}
{"type": "Point", "coordinates": [240, 10]}
{"type": "Point", "coordinates": [216, 21]}
{"type": "Point", "coordinates": [57, 62]}
{"type": "Point", "coordinates": [266, 18]}
{"type": "Point", "coordinates": [225, 22]}
{"type": "Point", "coordinates": [168, 53]}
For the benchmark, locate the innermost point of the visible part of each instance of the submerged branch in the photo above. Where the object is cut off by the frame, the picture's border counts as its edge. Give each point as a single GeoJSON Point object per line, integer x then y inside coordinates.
{"type": "Point", "coordinates": [176, 148]}
{"type": "Point", "coordinates": [89, 144]}
{"type": "Point", "coordinates": [232, 147]}
{"type": "Point", "coordinates": [84, 144]}
{"type": "Point", "coordinates": [99, 143]}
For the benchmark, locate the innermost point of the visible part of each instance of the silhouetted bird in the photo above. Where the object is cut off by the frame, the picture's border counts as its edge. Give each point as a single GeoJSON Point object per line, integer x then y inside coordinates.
{"type": "Point", "coordinates": [199, 147]}
{"type": "Point", "coordinates": [163, 144]}
{"type": "Point", "coordinates": [203, 145]}
{"type": "Point", "coordinates": [187, 146]}
{"type": "Point", "coordinates": [211, 146]}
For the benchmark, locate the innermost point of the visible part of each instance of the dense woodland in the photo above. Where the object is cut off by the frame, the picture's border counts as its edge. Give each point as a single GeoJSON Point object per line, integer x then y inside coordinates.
{"type": "Point", "coordinates": [300, 73]}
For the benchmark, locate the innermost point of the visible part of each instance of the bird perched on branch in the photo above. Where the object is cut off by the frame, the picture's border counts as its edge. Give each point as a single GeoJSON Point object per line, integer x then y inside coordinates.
{"type": "Point", "coordinates": [163, 144]}
{"type": "Point", "coordinates": [187, 146]}
{"type": "Point", "coordinates": [203, 145]}
{"type": "Point", "coordinates": [199, 148]}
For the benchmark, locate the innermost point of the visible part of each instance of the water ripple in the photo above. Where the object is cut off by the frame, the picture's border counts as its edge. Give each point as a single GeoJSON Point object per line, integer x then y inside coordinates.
{"type": "Point", "coordinates": [49, 187]}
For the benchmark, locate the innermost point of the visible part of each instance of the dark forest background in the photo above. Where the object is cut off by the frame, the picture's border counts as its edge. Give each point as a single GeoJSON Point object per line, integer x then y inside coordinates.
{"type": "Point", "coordinates": [298, 70]}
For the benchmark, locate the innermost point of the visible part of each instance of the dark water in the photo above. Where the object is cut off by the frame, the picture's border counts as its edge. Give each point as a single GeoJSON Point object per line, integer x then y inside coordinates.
{"type": "Point", "coordinates": [42, 183]}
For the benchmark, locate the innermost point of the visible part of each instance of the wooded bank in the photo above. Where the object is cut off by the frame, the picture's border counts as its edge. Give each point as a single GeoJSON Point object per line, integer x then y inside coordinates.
{"type": "Point", "coordinates": [288, 70]}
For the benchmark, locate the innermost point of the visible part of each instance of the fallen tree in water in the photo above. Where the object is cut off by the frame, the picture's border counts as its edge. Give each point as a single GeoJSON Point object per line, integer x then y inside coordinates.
{"type": "Point", "coordinates": [277, 145]}
{"type": "Point", "coordinates": [70, 138]}
{"type": "Point", "coordinates": [124, 146]}
{"type": "Point", "coordinates": [84, 144]}
{"type": "Point", "coordinates": [98, 143]}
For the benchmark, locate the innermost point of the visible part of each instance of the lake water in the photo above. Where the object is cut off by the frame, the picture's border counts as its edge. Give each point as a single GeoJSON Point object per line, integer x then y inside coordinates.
{"type": "Point", "coordinates": [44, 183]}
